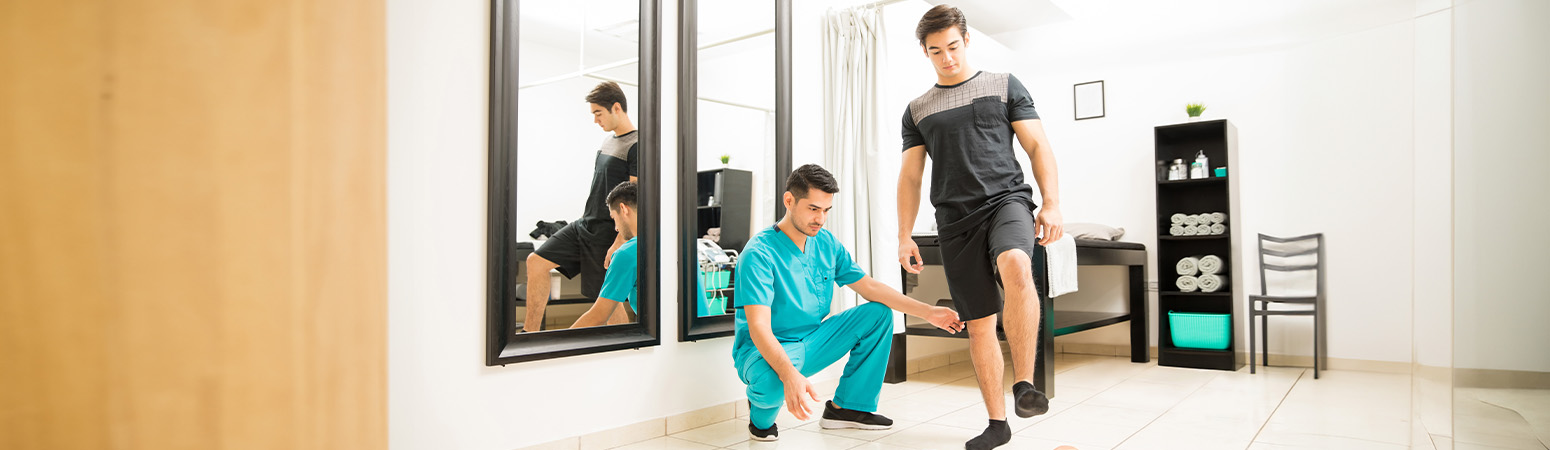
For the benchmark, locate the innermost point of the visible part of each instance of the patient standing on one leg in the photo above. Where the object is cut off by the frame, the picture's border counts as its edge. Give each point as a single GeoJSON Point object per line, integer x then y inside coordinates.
{"type": "Point", "coordinates": [984, 211]}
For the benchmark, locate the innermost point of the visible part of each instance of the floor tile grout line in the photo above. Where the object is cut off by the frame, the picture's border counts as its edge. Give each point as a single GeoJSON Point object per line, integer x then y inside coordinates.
{"type": "Point", "coordinates": [1272, 415]}
{"type": "Point", "coordinates": [1165, 412]}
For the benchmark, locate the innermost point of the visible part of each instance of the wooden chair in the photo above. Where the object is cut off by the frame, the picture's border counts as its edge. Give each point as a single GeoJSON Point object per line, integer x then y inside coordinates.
{"type": "Point", "coordinates": [1288, 255]}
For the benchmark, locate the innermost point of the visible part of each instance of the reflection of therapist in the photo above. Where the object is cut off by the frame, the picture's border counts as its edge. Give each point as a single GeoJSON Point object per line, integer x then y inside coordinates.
{"type": "Point", "coordinates": [581, 248]}
{"type": "Point", "coordinates": [786, 277]}
{"type": "Point", "coordinates": [619, 285]}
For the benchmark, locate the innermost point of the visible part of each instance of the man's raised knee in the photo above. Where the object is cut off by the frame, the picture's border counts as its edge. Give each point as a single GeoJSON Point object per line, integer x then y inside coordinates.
{"type": "Point", "coordinates": [1016, 268]}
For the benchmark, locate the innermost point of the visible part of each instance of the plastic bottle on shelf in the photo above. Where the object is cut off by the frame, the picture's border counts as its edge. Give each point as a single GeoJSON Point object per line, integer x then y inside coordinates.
{"type": "Point", "coordinates": [1199, 168]}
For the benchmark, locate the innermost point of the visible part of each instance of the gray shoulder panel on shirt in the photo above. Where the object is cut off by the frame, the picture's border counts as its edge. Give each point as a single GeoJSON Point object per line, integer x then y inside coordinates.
{"type": "Point", "coordinates": [935, 100]}
{"type": "Point", "coordinates": [619, 147]}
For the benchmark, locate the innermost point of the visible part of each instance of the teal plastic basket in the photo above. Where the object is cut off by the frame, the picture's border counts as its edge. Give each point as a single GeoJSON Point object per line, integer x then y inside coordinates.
{"type": "Point", "coordinates": [1200, 330]}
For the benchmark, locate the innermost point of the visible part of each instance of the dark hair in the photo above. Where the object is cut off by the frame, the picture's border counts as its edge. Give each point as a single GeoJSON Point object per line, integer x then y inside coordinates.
{"type": "Point", "coordinates": [606, 94]}
{"type": "Point", "coordinates": [941, 17]}
{"type": "Point", "coordinates": [624, 193]}
{"type": "Point", "coordinates": [808, 177]}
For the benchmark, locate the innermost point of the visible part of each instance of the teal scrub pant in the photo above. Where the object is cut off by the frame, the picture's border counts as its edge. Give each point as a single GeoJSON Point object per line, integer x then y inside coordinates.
{"type": "Point", "coordinates": [864, 332]}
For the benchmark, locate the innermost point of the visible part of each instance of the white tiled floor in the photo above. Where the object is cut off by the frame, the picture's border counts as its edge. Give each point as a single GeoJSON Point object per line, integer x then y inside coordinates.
{"type": "Point", "coordinates": [1105, 403]}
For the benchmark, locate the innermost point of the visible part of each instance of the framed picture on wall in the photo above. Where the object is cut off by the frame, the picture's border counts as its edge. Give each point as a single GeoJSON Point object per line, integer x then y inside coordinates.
{"type": "Point", "coordinates": [1088, 100]}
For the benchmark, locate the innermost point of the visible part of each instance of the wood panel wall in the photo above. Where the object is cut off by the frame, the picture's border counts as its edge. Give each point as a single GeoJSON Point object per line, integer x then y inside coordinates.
{"type": "Point", "coordinates": [192, 224]}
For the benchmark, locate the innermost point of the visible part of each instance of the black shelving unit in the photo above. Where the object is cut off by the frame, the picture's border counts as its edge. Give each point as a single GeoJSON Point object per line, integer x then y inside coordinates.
{"type": "Point", "coordinates": [733, 208]}
{"type": "Point", "coordinates": [1218, 139]}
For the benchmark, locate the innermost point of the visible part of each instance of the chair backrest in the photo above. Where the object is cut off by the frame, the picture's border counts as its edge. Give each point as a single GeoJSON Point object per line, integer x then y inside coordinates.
{"type": "Point", "coordinates": [1291, 255]}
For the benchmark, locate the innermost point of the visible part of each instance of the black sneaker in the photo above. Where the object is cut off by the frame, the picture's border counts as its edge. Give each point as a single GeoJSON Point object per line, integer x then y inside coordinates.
{"type": "Point", "coordinates": [772, 434]}
{"type": "Point", "coordinates": [835, 417]}
{"type": "Point", "coordinates": [1030, 402]}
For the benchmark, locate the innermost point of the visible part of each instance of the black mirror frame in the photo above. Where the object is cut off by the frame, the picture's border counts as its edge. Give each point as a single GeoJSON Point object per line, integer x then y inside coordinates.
{"type": "Point", "coordinates": [503, 344]}
{"type": "Point", "coordinates": [691, 327]}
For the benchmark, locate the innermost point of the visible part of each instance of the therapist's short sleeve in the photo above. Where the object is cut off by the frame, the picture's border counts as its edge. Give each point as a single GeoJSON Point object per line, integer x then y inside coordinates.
{"type": "Point", "coordinates": [846, 271]}
{"type": "Point", "coordinates": [619, 282]}
{"type": "Point", "coordinates": [755, 279]}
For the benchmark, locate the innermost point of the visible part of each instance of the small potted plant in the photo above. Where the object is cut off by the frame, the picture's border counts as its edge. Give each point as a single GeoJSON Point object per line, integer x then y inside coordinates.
{"type": "Point", "coordinates": [725, 158]}
{"type": "Point", "coordinates": [1194, 110]}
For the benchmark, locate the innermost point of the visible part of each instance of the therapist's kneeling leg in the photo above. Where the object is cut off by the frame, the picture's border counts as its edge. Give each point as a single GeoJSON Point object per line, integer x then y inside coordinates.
{"type": "Point", "coordinates": [866, 334]}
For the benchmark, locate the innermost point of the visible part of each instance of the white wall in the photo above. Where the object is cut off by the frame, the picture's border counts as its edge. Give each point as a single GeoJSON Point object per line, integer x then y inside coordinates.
{"type": "Point", "coordinates": [1501, 62]}
{"type": "Point", "coordinates": [440, 393]}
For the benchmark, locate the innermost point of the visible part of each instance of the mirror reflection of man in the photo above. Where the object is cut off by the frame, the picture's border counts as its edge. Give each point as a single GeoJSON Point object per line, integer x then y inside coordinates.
{"type": "Point", "coordinates": [619, 283]}
{"type": "Point", "coordinates": [984, 210]}
{"type": "Point", "coordinates": [786, 278]}
{"type": "Point", "coordinates": [582, 247]}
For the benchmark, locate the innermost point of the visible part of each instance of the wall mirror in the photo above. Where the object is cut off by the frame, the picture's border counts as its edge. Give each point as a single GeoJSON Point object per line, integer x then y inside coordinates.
{"type": "Point", "coordinates": [734, 149]}
{"type": "Point", "coordinates": [574, 112]}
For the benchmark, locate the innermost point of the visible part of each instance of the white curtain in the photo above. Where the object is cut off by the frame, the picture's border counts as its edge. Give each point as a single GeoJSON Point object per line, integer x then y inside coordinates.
{"type": "Point", "coordinates": [864, 218]}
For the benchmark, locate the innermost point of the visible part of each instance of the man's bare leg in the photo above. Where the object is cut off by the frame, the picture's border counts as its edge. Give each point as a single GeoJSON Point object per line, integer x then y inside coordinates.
{"type": "Point", "coordinates": [620, 315]}
{"type": "Point", "coordinates": [1022, 312]}
{"type": "Point", "coordinates": [537, 291]}
{"type": "Point", "coordinates": [985, 352]}
{"type": "Point", "coordinates": [1022, 315]}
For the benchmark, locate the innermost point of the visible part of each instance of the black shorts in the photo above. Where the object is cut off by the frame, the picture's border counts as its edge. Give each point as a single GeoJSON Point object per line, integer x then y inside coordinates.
{"type": "Point", "coordinates": [579, 251]}
{"type": "Point", "coordinates": [969, 258]}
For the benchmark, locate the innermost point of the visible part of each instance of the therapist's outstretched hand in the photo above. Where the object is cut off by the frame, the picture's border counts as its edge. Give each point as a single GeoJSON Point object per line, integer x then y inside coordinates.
{"type": "Point", "coordinates": [944, 318]}
{"type": "Point", "coordinates": [796, 388]}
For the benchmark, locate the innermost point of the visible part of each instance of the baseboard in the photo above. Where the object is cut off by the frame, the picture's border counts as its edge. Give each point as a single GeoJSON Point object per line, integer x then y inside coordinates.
{"type": "Point", "coordinates": [1500, 379]}
{"type": "Point", "coordinates": [1277, 360]}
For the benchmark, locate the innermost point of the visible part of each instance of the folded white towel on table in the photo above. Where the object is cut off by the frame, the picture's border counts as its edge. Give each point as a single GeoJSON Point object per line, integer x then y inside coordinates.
{"type": "Point", "coordinates": [1191, 220]}
{"type": "Point", "coordinates": [1060, 258]}
{"type": "Point", "coordinates": [1211, 282]}
{"type": "Point", "coordinates": [1217, 217]}
{"type": "Point", "coordinates": [1176, 230]}
{"type": "Point", "coordinates": [1177, 218]}
{"type": "Point", "coordinates": [1187, 266]}
{"type": "Point", "coordinates": [1218, 229]}
{"type": "Point", "coordinates": [1210, 264]}
{"type": "Point", "coordinates": [1187, 284]}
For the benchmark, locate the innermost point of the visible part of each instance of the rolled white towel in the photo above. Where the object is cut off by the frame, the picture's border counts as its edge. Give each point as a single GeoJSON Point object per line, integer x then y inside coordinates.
{"type": "Point", "coordinates": [1176, 230]}
{"type": "Point", "coordinates": [1218, 229]}
{"type": "Point", "coordinates": [1205, 218]}
{"type": "Point", "coordinates": [1217, 217]}
{"type": "Point", "coordinates": [1210, 264]}
{"type": "Point", "coordinates": [1177, 218]}
{"type": "Point", "coordinates": [1187, 284]}
{"type": "Point", "coordinates": [1203, 229]}
{"type": "Point", "coordinates": [1187, 266]}
{"type": "Point", "coordinates": [1191, 220]}
{"type": "Point", "coordinates": [1190, 230]}
{"type": "Point", "coordinates": [1211, 282]}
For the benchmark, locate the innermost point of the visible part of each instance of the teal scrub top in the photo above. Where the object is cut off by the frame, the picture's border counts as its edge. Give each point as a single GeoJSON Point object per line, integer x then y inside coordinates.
{"type": "Point", "coordinates": [797, 286]}
{"type": "Point", "coordinates": [619, 282]}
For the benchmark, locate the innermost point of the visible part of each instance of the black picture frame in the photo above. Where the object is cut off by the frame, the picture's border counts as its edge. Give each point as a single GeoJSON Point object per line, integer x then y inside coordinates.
{"type": "Point", "coordinates": [691, 327]}
{"type": "Point", "coordinates": [503, 344]}
{"type": "Point", "coordinates": [1082, 97]}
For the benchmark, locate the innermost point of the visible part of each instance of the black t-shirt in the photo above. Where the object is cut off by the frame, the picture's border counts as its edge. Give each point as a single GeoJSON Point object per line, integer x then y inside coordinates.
{"type": "Point", "coordinates": [616, 163]}
{"type": "Point", "coordinates": [967, 131]}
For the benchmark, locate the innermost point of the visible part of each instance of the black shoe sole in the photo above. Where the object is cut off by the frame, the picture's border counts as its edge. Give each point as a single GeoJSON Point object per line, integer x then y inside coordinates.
{"type": "Point", "coordinates": [836, 424]}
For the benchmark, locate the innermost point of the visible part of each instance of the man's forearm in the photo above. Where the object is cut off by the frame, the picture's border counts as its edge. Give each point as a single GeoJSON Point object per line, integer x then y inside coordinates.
{"type": "Point", "coordinates": [773, 353]}
{"type": "Point", "coordinates": [909, 206]}
{"type": "Point", "coordinates": [873, 290]}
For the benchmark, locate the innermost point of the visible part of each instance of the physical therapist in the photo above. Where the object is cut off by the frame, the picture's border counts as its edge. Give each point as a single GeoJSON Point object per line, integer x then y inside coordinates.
{"type": "Point", "coordinates": [786, 278]}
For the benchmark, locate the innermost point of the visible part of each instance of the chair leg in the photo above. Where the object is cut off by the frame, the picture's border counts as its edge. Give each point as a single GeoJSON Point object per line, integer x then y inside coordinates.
{"type": "Point", "coordinates": [1264, 337]}
{"type": "Point", "coordinates": [1252, 312]}
{"type": "Point", "coordinates": [1315, 343]}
